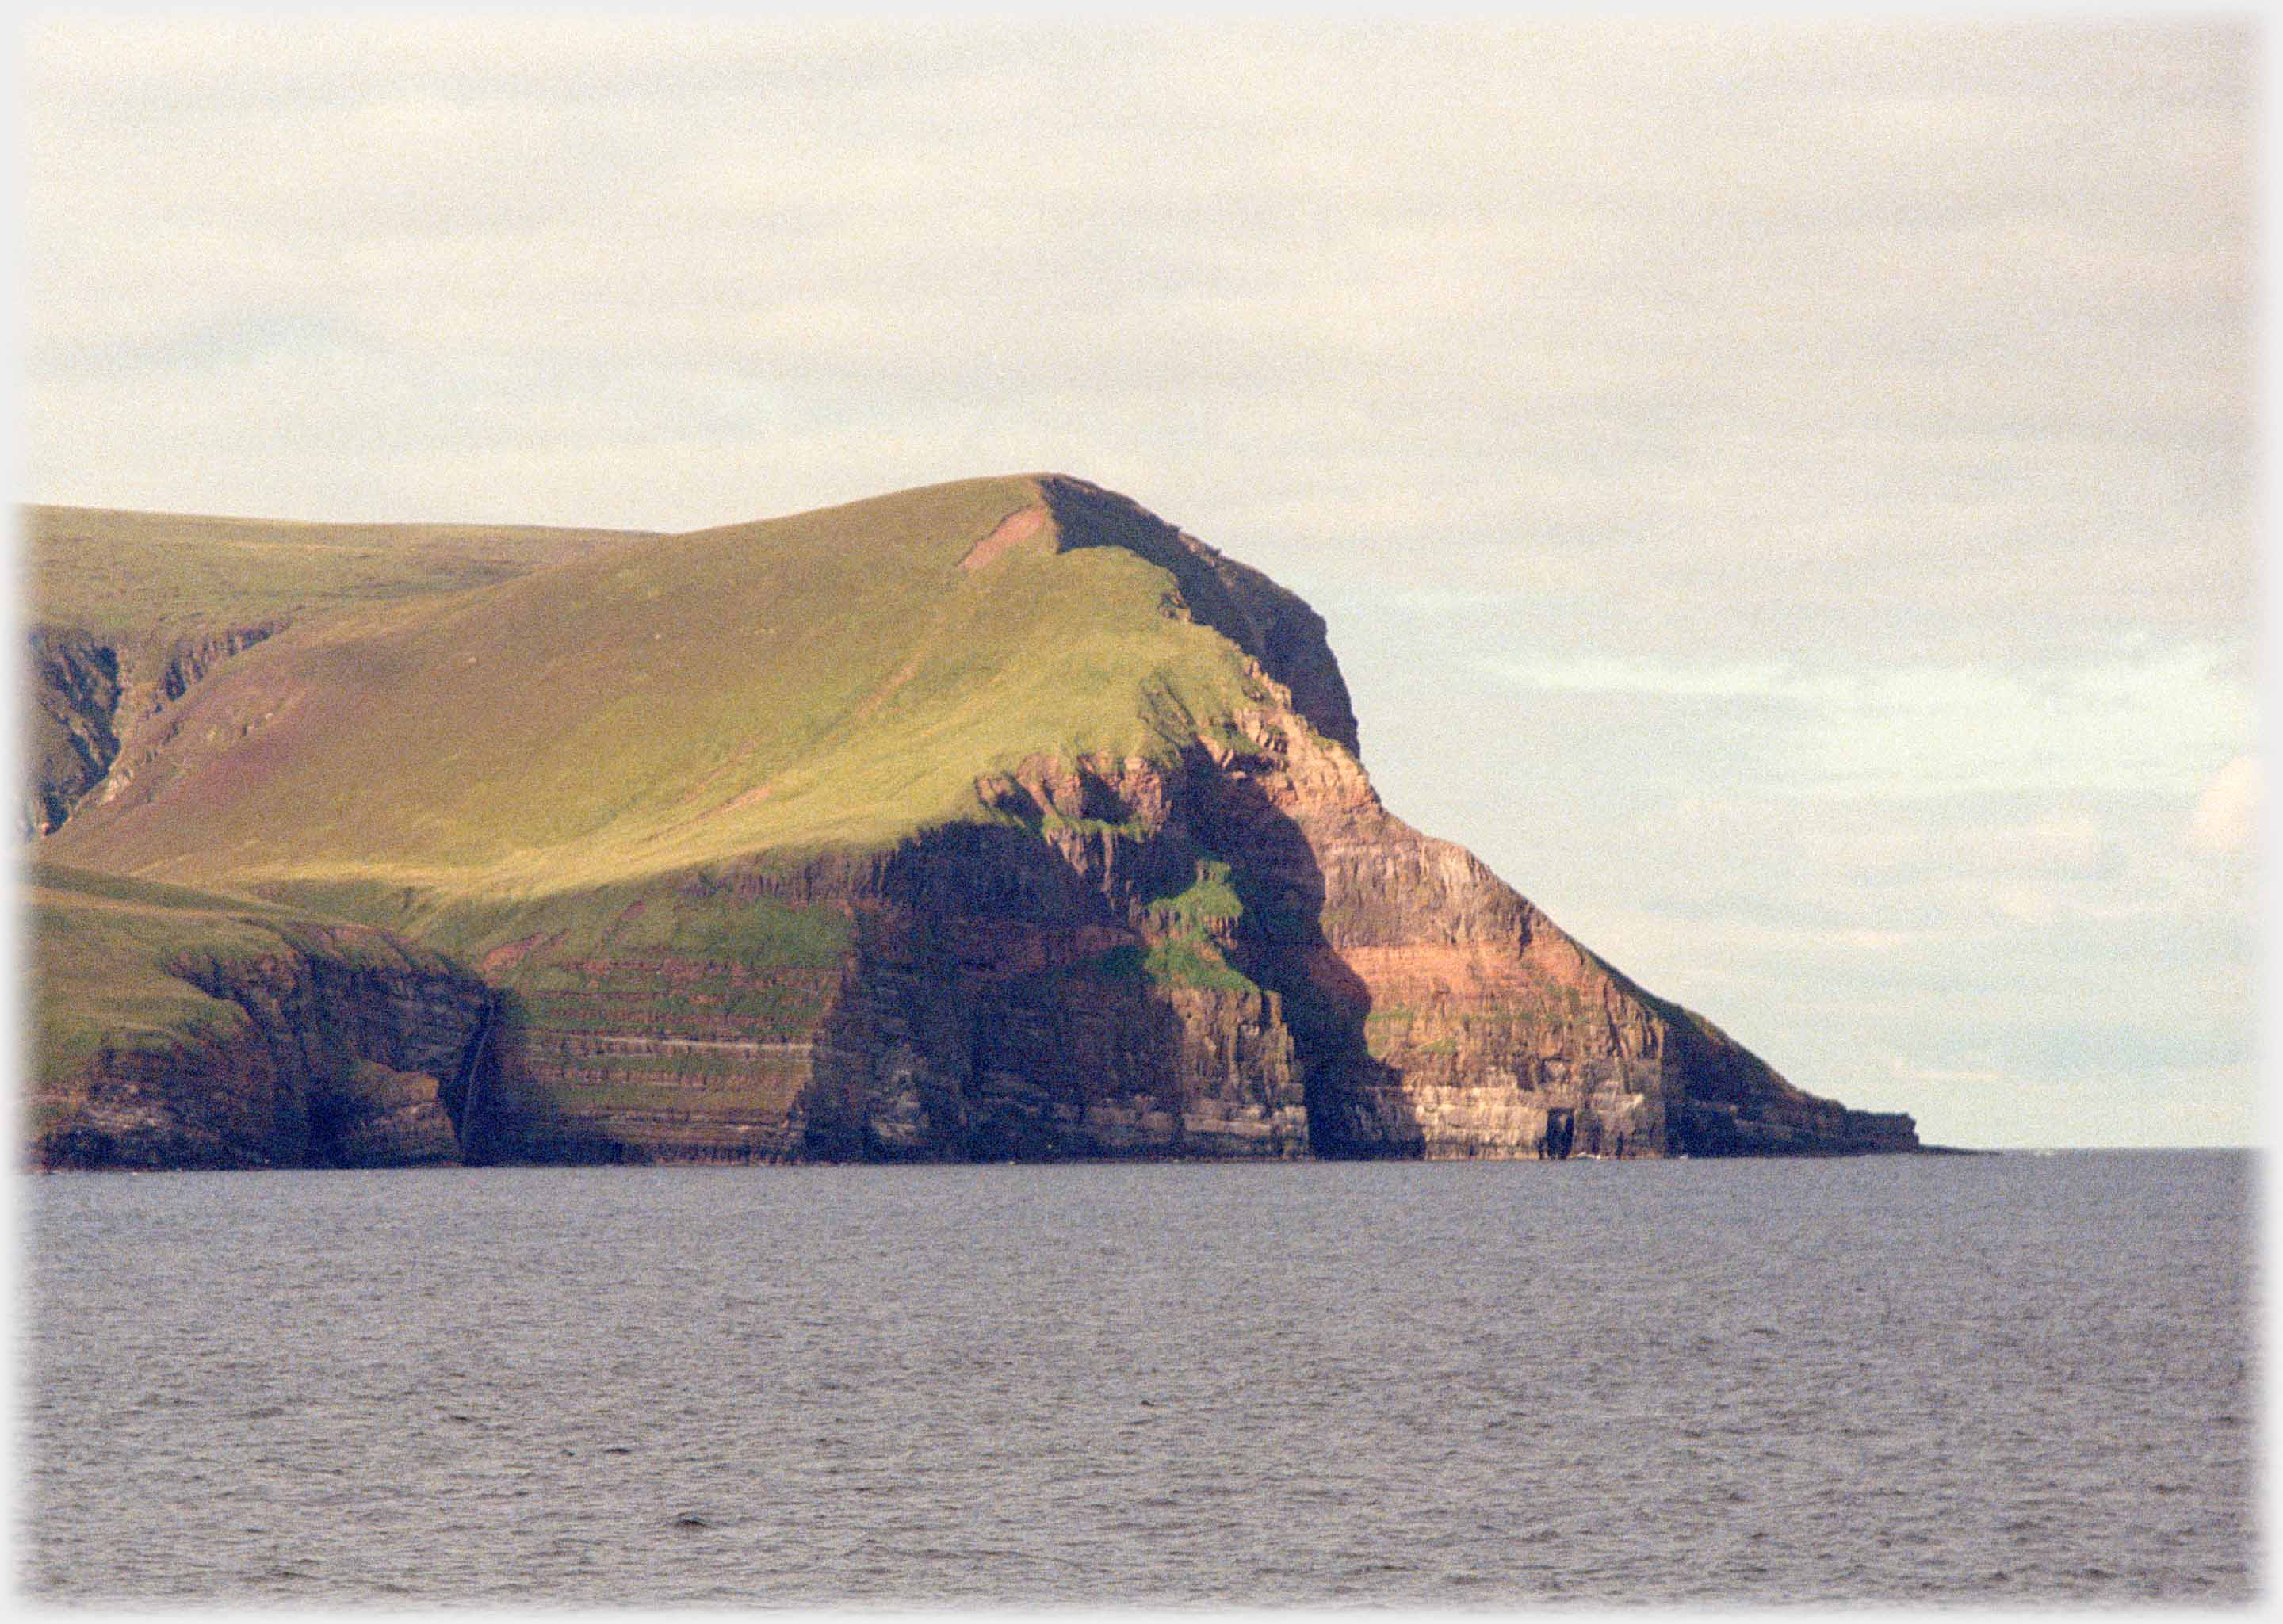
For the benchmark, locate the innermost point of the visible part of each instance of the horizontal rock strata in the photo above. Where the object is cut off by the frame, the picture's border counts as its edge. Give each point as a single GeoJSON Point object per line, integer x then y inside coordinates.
{"type": "Point", "coordinates": [1054, 987]}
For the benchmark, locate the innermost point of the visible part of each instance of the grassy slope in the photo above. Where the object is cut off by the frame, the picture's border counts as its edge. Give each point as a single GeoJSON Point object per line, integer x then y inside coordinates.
{"type": "Point", "coordinates": [831, 678]}
{"type": "Point", "coordinates": [132, 577]}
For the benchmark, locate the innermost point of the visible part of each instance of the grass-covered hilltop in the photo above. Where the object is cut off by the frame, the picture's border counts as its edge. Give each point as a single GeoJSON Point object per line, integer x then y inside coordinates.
{"type": "Point", "coordinates": [996, 819]}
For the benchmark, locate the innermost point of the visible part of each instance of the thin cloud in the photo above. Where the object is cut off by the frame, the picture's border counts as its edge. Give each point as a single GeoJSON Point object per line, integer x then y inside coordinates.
{"type": "Point", "coordinates": [2227, 817]}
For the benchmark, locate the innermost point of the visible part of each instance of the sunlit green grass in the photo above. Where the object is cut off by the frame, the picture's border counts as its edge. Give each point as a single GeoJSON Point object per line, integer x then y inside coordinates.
{"type": "Point", "coordinates": [833, 680]}
{"type": "Point", "coordinates": [128, 577]}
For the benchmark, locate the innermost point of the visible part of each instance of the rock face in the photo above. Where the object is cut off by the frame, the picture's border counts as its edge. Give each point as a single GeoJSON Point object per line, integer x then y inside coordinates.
{"type": "Point", "coordinates": [99, 708]}
{"type": "Point", "coordinates": [324, 1058]}
{"type": "Point", "coordinates": [1034, 992]}
{"type": "Point", "coordinates": [1443, 1016]}
{"type": "Point", "coordinates": [1059, 993]}
{"type": "Point", "coordinates": [75, 692]}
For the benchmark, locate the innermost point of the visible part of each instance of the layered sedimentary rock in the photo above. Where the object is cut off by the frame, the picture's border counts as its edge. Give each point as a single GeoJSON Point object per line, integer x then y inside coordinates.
{"type": "Point", "coordinates": [1050, 992]}
{"type": "Point", "coordinates": [333, 1052]}
{"type": "Point", "coordinates": [647, 1056]}
{"type": "Point", "coordinates": [1370, 992]}
{"type": "Point", "coordinates": [1002, 992]}
{"type": "Point", "coordinates": [1444, 1015]}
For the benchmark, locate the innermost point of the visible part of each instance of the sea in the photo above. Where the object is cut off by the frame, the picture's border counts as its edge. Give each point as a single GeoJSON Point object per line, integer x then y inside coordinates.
{"type": "Point", "coordinates": [1990, 1380]}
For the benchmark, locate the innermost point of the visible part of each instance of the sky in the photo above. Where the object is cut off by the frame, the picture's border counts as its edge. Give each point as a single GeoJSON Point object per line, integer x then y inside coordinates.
{"type": "Point", "coordinates": [1781, 493]}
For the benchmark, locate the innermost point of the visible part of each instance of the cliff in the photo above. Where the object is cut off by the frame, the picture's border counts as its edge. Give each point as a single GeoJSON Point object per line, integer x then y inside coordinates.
{"type": "Point", "coordinates": [175, 1029]}
{"type": "Point", "coordinates": [75, 694]}
{"type": "Point", "coordinates": [1000, 820]}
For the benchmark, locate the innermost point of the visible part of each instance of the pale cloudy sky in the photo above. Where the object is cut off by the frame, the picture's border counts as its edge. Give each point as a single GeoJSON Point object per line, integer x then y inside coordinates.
{"type": "Point", "coordinates": [1783, 493]}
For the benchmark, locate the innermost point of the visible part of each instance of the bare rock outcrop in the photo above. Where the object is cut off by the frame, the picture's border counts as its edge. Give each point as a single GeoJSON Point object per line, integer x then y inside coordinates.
{"type": "Point", "coordinates": [74, 678]}
{"type": "Point", "coordinates": [1028, 993]}
{"type": "Point", "coordinates": [100, 708]}
{"type": "Point", "coordinates": [1444, 1015]}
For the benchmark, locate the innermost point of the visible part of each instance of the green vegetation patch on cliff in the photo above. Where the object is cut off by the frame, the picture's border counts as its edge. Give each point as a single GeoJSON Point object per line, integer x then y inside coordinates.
{"type": "Point", "coordinates": [662, 954]}
{"type": "Point", "coordinates": [1181, 951]}
{"type": "Point", "coordinates": [1210, 897]}
{"type": "Point", "coordinates": [1194, 963]}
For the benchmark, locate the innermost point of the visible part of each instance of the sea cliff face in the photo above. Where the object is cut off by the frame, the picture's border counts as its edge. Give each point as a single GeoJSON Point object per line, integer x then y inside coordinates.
{"type": "Point", "coordinates": [987, 993]}
{"type": "Point", "coordinates": [1361, 990]}
{"type": "Point", "coordinates": [75, 688]}
{"type": "Point", "coordinates": [1243, 957]}
{"type": "Point", "coordinates": [332, 1050]}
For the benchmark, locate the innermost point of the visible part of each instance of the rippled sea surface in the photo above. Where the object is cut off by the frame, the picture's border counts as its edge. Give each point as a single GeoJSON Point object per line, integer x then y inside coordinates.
{"type": "Point", "coordinates": [1983, 1379]}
